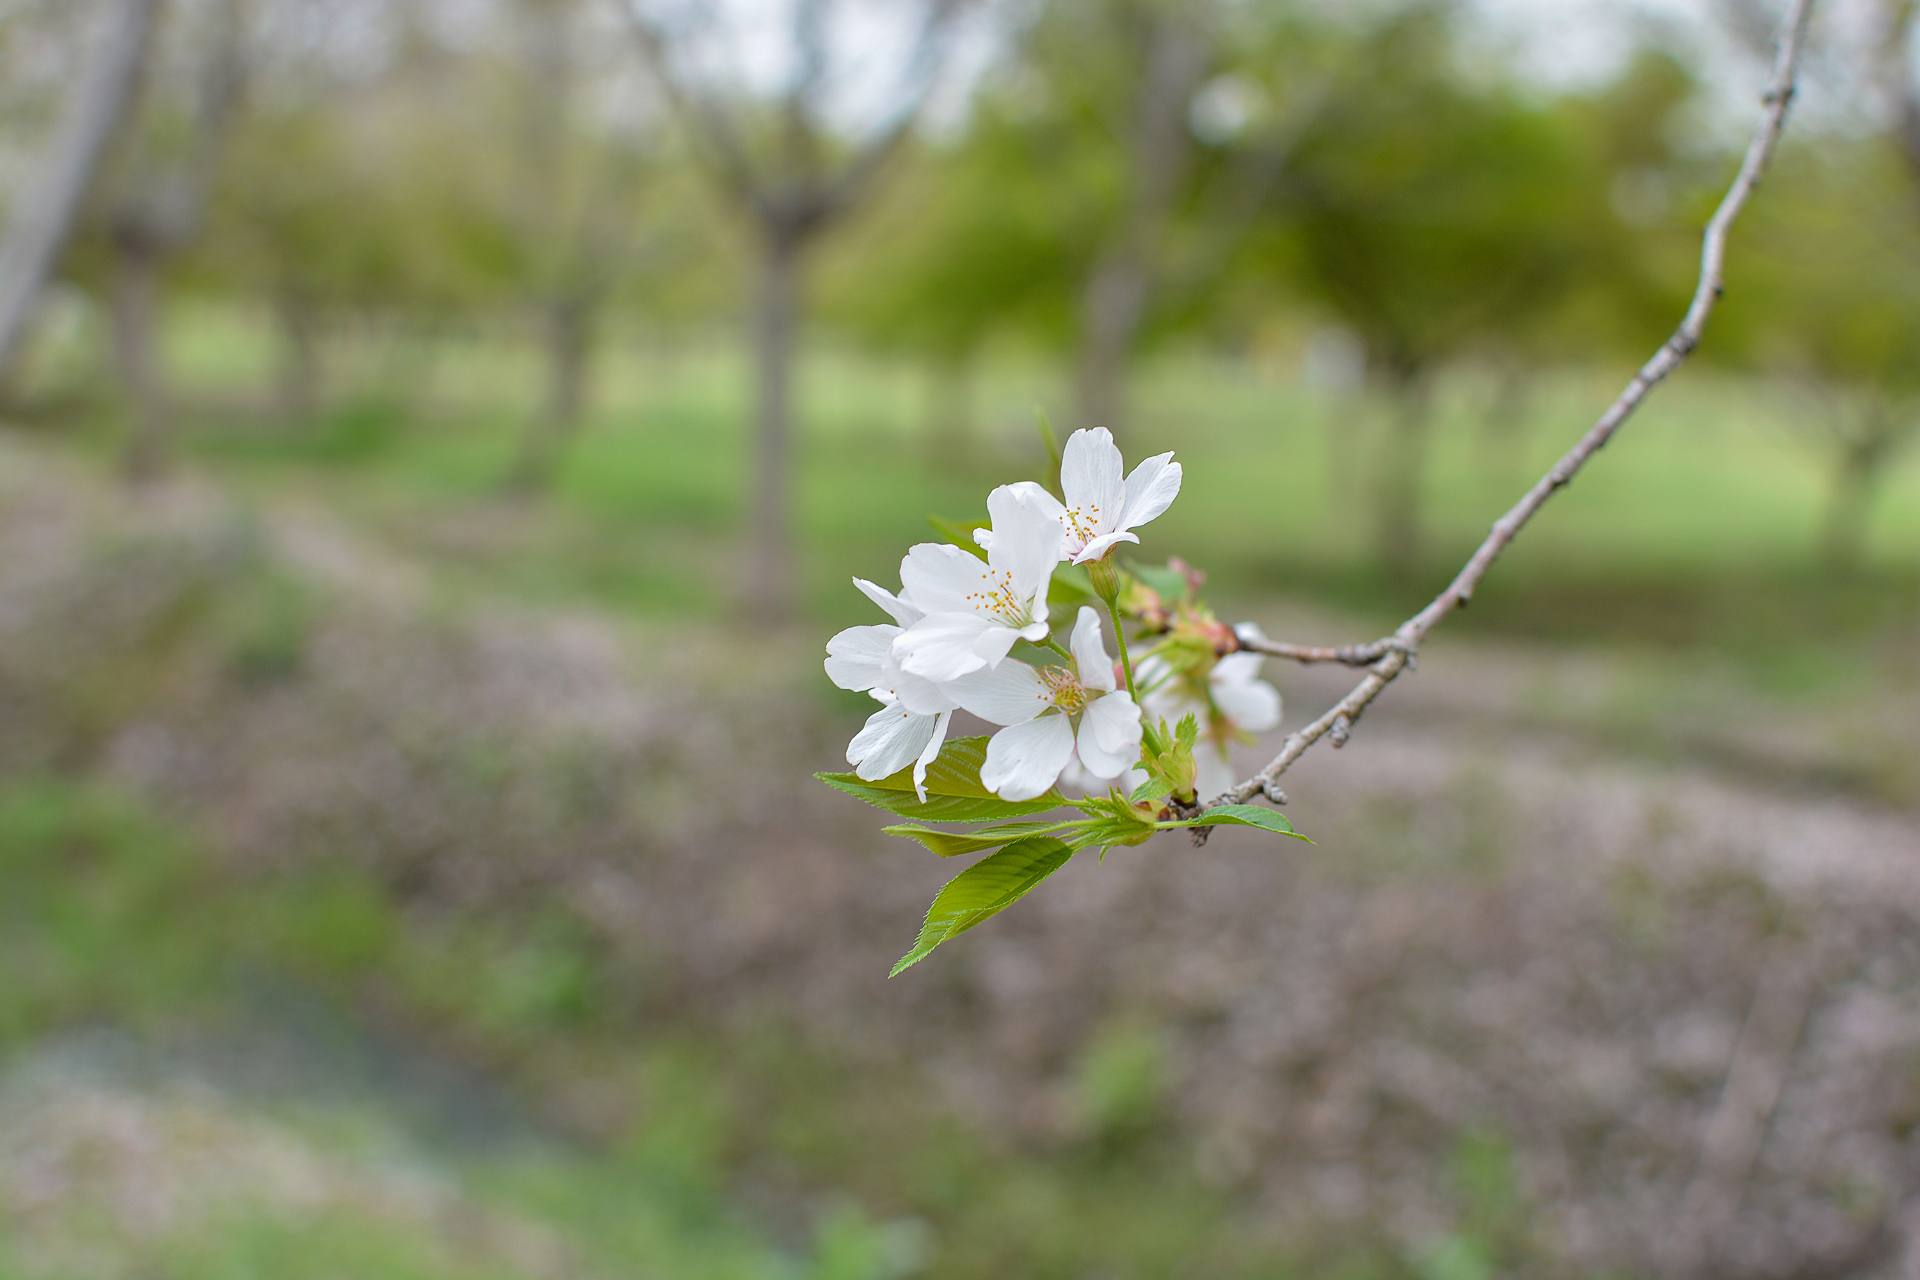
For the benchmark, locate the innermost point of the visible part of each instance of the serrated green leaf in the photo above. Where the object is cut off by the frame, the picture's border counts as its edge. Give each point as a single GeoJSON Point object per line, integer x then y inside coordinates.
{"type": "Point", "coordinates": [1153, 788]}
{"type": "Point", "coordinates": [949, 844]}
{"type": "Point", "coordinates": [1112, 832]}
{"type": "Point", "coordinates": [959, 533]}
{"type": "Point", "coordinates": [983, 890]}
{"type": "Point", "coordinates": [1243, 815]}
{"type": "Point", "coordinates": [954, 790]}
{"type": "Point", "coordinates": [1187, 731]}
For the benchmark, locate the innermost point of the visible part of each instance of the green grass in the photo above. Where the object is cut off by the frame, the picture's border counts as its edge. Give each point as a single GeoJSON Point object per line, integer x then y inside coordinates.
{"type": "Point", "coordinates": [1699, 523]}
{"type": "Point", "coordinates": [115, 918]}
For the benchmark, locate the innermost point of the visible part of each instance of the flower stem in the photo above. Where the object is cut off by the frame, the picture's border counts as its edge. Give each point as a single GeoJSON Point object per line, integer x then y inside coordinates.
{"type": "Point", "coordinates": [1148, 734]}
{"type": "Point", "coordinates": [1057, 647]}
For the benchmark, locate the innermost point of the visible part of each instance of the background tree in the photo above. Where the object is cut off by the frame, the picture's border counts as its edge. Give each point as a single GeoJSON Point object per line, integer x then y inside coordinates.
{"type": "Point", "coordinates": [1165, 56]}
{"type": "Point", "coordinates": [579, 193]}
{"type": "Point", "coordinates": [160, 209]}
{"type": "Point", "coordinates": [1830, 309]}
{"type": "Point", "coordinates": [787, 172]}
{"type": "Point", "coordinates": [964, 255]}
{"type": "Point", "coordinates": [1434, 212]}
{"type": "Point", "coordinates": [42, 221]}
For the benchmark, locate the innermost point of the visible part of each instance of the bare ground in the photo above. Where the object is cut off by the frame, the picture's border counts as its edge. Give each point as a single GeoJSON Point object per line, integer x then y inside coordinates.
{"type": "Point", "coordinates": [1671, 959]}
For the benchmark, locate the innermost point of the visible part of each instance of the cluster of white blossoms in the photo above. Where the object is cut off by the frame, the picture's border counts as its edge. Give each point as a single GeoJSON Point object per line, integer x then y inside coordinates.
{"type": "Point", "coordinates": [959, 615]}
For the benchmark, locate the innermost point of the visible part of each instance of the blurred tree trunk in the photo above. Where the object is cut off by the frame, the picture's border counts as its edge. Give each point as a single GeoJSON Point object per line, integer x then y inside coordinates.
{"type": "Point", "coordinates": [156, 221]}
{"type": "Point", "coordinates": [1115, 302]}
{"type": "Point", "coordinates": [1398, 518]}
{"type": "Point", "coordinates": [551, 430]}
{"type": "Point", "coordinates": [136, 287]}
{"type": "Point", "coordinates": [43, 220]}
{"type": "Point", "coordinates": [950, 410]}
{"type": "Point", "coordinates": [1114, 306]}
{"type": "Point", "coordinates": [297, 320]}
{"type": "Point", "coordinates": [1843, 529]}
{"type": "Point", "coordinates": [1509, 403]}
{"type": "Point", "coordinates": [1866, 449]}
{"type": "Point", "coordinates": [776, 318]}
{"type": "Point", "coordinates": [791, 194]}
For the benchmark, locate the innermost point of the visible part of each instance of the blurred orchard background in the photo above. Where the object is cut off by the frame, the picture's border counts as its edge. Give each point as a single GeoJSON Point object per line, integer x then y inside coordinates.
{"type": "Point", "coordinates": [438, 435]}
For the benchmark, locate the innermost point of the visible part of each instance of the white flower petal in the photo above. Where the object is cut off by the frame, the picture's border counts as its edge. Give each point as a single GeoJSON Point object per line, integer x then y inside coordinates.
{"type": "Point", "coordinates": [888, 743]}
{"type": "Point", "coordinates": [1033, 495]}
{"type": "Point", "coordinates": [897, 609]}
{"type": "Point", "coordinates": [1011, 693]}
{"type": "Point", "coordinates": [1236, 668]}
{"type": "Point", "coordinates": [916, 693]}
{"type": "Point", "coordinates": [929, 753]}
{"type": "Point", "coordinates": [994, 644]}
{"type": "Point", "coordinates": [938, 578]}
{"type": "Point", "coordinates": [1101, 545]}
{"type": "Point", "coordinates": [1253, 705]}
{"type": "Point", "coordinates": [1023, 760]}
{"type": "Point", "coordinates": [1109, 735]}
{"type": "Point", "coordinates": [942, 646]}
{"type": "Point", "coordinates": [1151, 489]}
{"type": "Point", "coordinates": [857, 657]}
{"type": "Point", "coordinates": [1116, 721]}
{"type": "Point", "coordinates": [1090, 478]}
{"type": "Point", "coordinates": [1089, 654]}
{"type": "Point", "coordinates": [1026, 538]}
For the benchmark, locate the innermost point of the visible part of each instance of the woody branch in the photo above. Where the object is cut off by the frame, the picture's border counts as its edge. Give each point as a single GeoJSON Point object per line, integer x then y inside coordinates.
{"type": "Point", "coordinates": [1387, 658]}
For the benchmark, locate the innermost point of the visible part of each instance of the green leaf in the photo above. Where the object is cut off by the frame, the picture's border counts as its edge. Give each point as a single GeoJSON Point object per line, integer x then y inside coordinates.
{"type": "Point", "coordinates": [1153, 788]}
{"type": "Point", "coordinates": [1169, 584]}
{"type": "Point", "coordinates": [959, 533]}
{"type": "Point", "coordinates": [1243, 815]}
{"type": "Point", "coordinates": [954, 790]}
{"type": "Point", "coordinates": [1187, 731]}
{"type": "Point", "coordinates": [950, 844]}
{"type": "Point", "coordinates": [984, 889]}
{"type": "Point", "coordinates": [1050, 439]}
{"type": "Point", "coordinates": [1069, 589]}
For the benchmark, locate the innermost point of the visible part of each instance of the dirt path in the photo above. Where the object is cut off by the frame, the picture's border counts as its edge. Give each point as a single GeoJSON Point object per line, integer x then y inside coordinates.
{"type": "Point", "coordinates": [1674, 986]}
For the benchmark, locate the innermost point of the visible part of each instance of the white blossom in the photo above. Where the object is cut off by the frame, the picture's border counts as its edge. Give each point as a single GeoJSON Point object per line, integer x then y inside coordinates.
{"type": "Point", "coordinates": [1236, 702]}
{"type": "Point", "coordinates": [974, 610]}
{"type": "Point", "coordinates": [1039, 708]}
{"type": "Point", "coordinates": [913, 716]}
{"type": "Point", "coordinates": [1101, 506]}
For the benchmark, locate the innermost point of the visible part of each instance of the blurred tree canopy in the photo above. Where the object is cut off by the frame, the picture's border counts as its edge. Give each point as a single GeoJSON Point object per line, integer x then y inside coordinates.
{"type": "Point", "coordinates": [1101, 179]}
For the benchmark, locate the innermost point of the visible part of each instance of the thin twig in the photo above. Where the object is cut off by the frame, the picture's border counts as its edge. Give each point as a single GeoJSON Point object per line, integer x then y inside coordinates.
{"type": "Point", "coordinates": [1399, 648]}
{"type": "Point", "coordinates": [1351, 655]}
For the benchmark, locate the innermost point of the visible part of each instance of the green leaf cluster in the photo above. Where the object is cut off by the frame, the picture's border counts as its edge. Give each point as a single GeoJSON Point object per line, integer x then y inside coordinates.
{"type": "Point", "coordinates": [1022, 849]}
